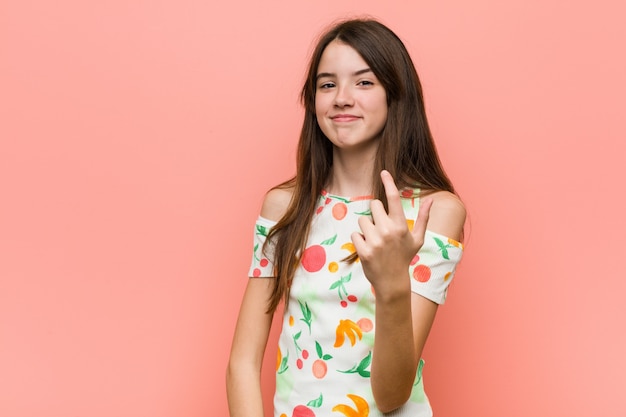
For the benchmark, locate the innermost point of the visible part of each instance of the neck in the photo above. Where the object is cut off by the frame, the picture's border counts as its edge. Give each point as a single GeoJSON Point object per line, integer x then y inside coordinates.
{"type": "Point", "coordinates": [352, 173]}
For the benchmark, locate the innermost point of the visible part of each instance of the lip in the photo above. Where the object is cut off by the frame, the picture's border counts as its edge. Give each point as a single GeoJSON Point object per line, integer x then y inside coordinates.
{"type": "Point", "coordinates": [344, 118]}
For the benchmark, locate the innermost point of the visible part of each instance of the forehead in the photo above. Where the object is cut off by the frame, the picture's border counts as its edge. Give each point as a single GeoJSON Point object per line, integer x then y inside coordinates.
{"type": "Point", "coordinates": [339, 57]}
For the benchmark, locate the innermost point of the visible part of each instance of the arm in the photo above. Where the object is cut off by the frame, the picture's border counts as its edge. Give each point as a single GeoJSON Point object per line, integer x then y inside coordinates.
{"type": "Point", "coordinates": [403, 319]}
{"type": "Point", "coordinates": [243, 374]}
{"type": "Point", "coordinates": [446, 217]}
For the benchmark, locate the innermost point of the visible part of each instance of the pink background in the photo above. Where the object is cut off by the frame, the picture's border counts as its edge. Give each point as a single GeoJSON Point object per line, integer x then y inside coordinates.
{"type": "Point", "coordinates": [137, 139]}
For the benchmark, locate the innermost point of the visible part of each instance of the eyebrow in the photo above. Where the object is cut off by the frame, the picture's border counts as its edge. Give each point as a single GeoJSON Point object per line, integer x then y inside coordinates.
{"type": "Point", "coordinates": [331, 74]}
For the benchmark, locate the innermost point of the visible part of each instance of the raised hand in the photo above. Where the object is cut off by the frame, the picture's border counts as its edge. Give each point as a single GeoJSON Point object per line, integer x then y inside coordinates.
{"type": "Point", "coordinates": [386, 246]}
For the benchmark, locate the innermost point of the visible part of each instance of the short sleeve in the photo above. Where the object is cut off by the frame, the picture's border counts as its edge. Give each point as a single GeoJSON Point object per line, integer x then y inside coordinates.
{"type": "Point", "coordinates": [432, 269]}
{"type": "Point", "coordinates": [262, 264]}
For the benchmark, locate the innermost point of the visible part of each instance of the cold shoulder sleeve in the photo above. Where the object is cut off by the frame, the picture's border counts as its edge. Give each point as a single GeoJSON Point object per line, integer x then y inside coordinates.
{"type": "Point", "coordinates": [433, 268]}
{"type": "Point", "coordinates": [262, 265]}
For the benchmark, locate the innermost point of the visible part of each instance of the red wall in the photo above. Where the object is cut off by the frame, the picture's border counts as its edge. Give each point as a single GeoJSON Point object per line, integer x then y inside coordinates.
{"type": "Point", "coordinates": [137, 139]}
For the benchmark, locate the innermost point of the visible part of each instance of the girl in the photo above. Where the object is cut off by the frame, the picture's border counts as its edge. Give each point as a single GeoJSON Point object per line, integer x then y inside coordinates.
{"type": "Point", "coordinates": [361, 263]}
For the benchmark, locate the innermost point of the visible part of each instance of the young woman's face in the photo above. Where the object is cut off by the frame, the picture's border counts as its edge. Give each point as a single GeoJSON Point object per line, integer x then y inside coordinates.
{"type": "Point", "coordinates": [350, 102]}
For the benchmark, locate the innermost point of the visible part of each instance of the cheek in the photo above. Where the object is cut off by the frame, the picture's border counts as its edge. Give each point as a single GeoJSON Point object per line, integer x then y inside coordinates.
{"type": "Point", "coordinates": [382, 103]}
{"type": "Point", "coordinates": [320, 106]}
{"type": "Point", "coordinates": [384, 110]}
{"type": "Point", "coordinates": [381, 110]}
{"type": "Point", "coordinates": [376, 104]}
{"type": "Point", "coordinates": [319, 113]}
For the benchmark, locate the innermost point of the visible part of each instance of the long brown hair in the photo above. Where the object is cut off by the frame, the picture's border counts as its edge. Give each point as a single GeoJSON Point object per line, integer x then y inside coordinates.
{"type": "Point", "coordinates": [406, 148]}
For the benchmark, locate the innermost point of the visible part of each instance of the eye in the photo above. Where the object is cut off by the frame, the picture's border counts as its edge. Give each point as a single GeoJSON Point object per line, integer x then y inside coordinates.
{"type": "Point", "coordinates": [326, 85]}
{"type": "Point", "coordinates": [365, 83]}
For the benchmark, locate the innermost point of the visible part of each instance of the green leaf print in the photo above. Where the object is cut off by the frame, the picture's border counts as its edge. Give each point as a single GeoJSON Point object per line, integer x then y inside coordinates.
{"type": "Point", "coordinates": [320, 352]}
{"type": "Point", "coordinates": [420, 366]}
{"type": "Point", "coordinates": [361, 368]}
{"type": "Point", "coordinates": [364, 213]}
{"type": "Point", "coordinates": [261, 230]}
{"type": "Point", "coordinates": [443, 247]}
{"type": "Point", "coordinates": [254, 252]}
{"type": "Point", "coordinates": [306, 314]}
{"type": "Point", "coordinates": [316, 402]}
{"type": "Point", "coordinates": [345, 200]}
{"type": "Point", "coordinates": [340, 285]}
{"type": "Point", "coordinates": [295, 341]}
{"type": "Point", "coordinates": [329, 241]}
{"type": "Point", "coordinates": [283, 365]}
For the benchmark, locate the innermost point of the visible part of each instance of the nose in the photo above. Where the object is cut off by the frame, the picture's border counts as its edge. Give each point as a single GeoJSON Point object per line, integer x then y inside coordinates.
{"type": "Point", "coordinates": [344, 98]}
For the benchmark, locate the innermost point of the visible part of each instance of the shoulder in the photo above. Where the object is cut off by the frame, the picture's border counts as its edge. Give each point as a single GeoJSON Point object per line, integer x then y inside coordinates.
{"type": "Point", "coordinates": [447, 215]}
{"type": "Point", "coordinates": [276, 203]}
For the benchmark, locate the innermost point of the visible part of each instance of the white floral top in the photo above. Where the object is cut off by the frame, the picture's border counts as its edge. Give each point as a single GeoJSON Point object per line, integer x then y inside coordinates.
{"type": "Point", "coordinates": [326, 344]}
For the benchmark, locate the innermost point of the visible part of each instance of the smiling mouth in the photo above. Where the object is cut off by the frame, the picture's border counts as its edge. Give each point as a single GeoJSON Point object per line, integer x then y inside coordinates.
{"type": "Point", "coordinates": [344, 118]}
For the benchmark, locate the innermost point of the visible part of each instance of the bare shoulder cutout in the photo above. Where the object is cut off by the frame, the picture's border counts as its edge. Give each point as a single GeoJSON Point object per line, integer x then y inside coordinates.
{"type": "Point", "coordinates": [447, 215]}
{"type": "Point", "coordinates": [276, 203]}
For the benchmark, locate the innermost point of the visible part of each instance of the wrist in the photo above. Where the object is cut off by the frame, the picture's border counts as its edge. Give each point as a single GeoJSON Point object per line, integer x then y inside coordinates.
{"type": "Point", "coordinates": [392, 292]}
